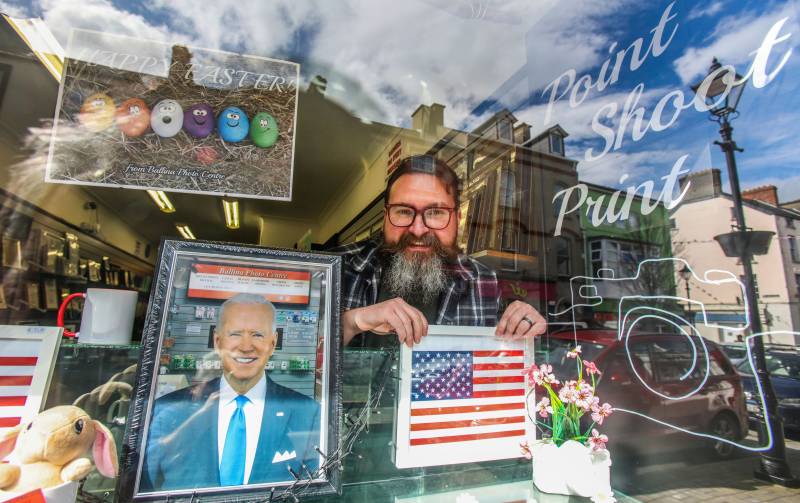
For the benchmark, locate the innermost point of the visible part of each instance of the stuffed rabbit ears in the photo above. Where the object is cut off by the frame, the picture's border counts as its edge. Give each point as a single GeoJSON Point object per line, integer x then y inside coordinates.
{"type": "Point", "coordinates": [104, 451]}
{"type": "Point", "coordinates": [8, 440]}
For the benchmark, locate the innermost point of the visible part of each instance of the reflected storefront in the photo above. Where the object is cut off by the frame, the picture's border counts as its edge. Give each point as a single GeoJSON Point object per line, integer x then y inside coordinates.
{"type": "Point", "coordinates": [305, 243]}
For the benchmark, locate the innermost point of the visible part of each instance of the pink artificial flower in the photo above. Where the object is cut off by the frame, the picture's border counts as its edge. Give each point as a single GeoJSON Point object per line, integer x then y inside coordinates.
{"type": "Point", "coordinates": [600, 413]}
{"type": "Point", "coordinates": [594, 404]}
{"type": "Point", "coordinates": [583, 396]}
{"type": "Point", "coordinates": [591, 368]}
{"type": "Point", "coordinates": [597, 441]}
{"type": "Point", "coordinates": [543, 407]}
{"type": "Point", "coordinates": [574, 352]}
{"type": "Point", "coordinates": [532, 374]}
{"type": "Point", "coordinates": [540, 375]}
{"type": "Point", "coordinates": [526, 449]}
{"type": "Point", "coordinates": [568, 393]}
{"type": "Point", "coordinates": [547, 374]}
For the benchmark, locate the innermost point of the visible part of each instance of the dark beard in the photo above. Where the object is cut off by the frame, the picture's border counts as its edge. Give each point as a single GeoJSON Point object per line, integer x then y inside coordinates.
{"type": "Point", "coordinates": [417, 275]}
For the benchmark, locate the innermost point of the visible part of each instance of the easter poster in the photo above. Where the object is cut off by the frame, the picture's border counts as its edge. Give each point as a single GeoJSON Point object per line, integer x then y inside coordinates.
{"type": "Point", "coordinates": [148, 115]}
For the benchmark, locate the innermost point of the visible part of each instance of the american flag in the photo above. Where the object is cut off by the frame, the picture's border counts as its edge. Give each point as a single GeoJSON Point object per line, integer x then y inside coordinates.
{"type": "Point", "coordinates": [462, 398]}
{"type": "Point", "coordinates": [467, 396]}
{"type": "Point", "coordinates": [17, 367]}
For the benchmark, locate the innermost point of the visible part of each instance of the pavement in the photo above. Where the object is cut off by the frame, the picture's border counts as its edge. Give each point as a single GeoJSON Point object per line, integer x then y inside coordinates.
{"type": "Point", "coordinates": [699, 478]}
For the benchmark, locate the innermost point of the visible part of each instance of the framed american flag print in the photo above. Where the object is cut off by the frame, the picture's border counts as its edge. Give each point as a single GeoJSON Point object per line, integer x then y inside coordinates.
{"type": "Point", "coordinates": [462, 398]}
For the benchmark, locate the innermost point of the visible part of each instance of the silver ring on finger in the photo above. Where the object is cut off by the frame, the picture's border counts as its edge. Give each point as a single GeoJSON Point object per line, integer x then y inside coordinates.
{"type": "Point", "coordinates": [525, 318]}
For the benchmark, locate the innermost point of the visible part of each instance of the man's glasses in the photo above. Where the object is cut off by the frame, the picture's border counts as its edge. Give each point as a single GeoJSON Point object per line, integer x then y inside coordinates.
{"type": "Point", "coordinates": [435, 218]}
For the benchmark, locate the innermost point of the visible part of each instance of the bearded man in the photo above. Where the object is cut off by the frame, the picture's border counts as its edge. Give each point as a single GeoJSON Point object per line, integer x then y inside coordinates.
{"type": "Point", "coordinates": [415, 275]}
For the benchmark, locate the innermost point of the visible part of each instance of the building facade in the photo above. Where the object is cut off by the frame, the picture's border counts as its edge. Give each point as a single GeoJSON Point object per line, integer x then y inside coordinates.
{"type": "Point", "coordinates": [707, 211]}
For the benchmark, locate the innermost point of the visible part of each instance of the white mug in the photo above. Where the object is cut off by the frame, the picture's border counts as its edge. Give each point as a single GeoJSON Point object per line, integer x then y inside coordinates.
{"type": "Point", "coordinates": [107, 316]}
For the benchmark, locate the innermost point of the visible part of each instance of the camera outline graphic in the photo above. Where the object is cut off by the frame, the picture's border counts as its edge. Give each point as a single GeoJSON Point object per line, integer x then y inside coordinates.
{"type": "Point", "coordinates": [584, 293]}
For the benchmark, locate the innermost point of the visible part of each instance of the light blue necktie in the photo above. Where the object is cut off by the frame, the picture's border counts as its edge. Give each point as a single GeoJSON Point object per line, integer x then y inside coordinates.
{"type": "Point", "coordinates": [234, 453]}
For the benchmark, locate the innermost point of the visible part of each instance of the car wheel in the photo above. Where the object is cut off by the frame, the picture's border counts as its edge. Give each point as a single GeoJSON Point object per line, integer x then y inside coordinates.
{"type": "Point", "coordinates": [724, 426]}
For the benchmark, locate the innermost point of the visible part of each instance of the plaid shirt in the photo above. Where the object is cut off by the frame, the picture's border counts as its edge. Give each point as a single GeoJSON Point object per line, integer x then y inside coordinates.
{"type": "Point", "coordinates": [471, 297]}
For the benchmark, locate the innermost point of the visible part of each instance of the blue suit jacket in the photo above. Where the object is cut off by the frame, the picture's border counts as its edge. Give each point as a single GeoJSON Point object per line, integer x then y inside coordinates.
{"type": "Point", "coordinates": [182, 452]}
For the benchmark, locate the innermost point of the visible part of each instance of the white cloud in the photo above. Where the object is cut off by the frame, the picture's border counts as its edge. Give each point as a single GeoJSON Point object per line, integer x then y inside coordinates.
{"type": "Point", "coordinates": [62, 16]}
{"type": "Point", "coordinates": [734, 38]}
{"type": "Point", "coordinates": [14, 10]}
{"type": "Point", "coordinates": [376, 55]}
{"type": "Point", "coordinates": [703, 10]}
{"type": "Point", "coordinates": [639, 166]}
{"type": "Point", "coordinates": [578, 121]}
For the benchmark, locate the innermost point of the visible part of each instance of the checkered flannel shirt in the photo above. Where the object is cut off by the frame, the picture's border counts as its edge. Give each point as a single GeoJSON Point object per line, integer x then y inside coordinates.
{"type": "Point", "coordinates": [471, 298]}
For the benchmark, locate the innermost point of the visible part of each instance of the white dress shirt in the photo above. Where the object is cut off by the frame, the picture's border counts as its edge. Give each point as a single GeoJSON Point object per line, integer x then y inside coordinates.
{"type": "Point", "coordinates": [253, 413]}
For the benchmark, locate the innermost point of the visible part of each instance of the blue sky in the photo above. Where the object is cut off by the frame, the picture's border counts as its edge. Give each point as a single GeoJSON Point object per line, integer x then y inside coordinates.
{"type": "Point", "coordinates": [383, 58]}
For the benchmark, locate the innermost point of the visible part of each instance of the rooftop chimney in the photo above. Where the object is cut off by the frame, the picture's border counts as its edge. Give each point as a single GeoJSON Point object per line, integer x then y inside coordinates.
{"type": "Point", "coordinates": [764, 193]}
{"type": "Point", "coordinates": [428, 119]}
{"type": "Point", "coordinates": [704, 184]}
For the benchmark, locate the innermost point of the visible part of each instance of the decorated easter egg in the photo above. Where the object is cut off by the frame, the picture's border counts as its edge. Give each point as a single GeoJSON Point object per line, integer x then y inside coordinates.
{"type": "Point", "coordinates": [198, 120]}
{"type": "Point", "coordinates": [166, 118]}
{"type": "Point", "coordinates": [233, 124]}
{"type": "Point", "coordinates": [133, 117]}
{"type": "Point", "coordinates": [264, 130]}
{"type": "Point", "coordinates": [97, 112]}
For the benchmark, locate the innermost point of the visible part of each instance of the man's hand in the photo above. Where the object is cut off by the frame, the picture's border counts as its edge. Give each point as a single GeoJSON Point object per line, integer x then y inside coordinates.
{"type": "Point", "coordinates": [520, 320]}
{"type": "Point", "coordinates": [391, 316]}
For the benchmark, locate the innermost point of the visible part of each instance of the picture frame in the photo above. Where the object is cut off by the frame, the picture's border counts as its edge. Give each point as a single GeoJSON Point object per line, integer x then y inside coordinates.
{"type": "Point", "coordinates": [26, 367]}
{"type": "Point", "coordinates": [462, 398]}
{"type": "Point", "coordinates": [139, 152]}
{"type": "Point", "coordinates": [303, 415]}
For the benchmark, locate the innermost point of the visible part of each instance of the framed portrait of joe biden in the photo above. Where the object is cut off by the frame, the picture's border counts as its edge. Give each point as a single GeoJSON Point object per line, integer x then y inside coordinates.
{"type": "Point", "coordinates": [238, 390]}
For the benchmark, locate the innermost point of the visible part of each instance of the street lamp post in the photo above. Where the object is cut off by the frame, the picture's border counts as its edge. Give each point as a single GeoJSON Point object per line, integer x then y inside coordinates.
{"type": "Point", "coordinates": [686, 275]}
{"type": "Point", "coordinates": [721, 91]}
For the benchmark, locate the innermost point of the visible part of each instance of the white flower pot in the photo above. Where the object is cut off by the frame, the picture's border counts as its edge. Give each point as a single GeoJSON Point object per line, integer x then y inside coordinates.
{"type": "Point", "coordinates": [571, 469]}
{"type": "Point", "coordinates": [64, 493]}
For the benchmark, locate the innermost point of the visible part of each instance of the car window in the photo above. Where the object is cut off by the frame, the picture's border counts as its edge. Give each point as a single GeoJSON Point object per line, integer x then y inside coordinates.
{"type": "Point", "coordinates": [674, 360]}
{"type": "Point", "coordinates": [554, 350]}
{"type": "Point", "coordinates": [735, 351]}
{"type": "Point", "coordinates": [744, 367]}
{"type": "Point", "coordinates": [640, 357]}
{"type": "Point", "coordinates": [783, 365]}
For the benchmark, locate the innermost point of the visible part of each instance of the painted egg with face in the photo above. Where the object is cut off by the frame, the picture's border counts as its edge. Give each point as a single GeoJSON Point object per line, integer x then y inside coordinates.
{"type": "Point", "coordinates": [264, 130]}
{"type": "Point", "coordinates": [233, 124]}
{"type": "Point", "coordinates": [198, 120]}
{"type": "Point", "coordinates": [133, 117]}
{"type": "Point", "coordinates": [97, 112]}
{"type": "Point", "coordinates": [166, 118]}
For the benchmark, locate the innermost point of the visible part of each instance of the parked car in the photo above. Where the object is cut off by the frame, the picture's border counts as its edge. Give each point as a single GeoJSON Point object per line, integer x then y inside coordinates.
{"type": "Point", "coordinates": [736, 352]}
{"type": "Point", "coordinates": [784, 370]}
{"type": "Point", "coordinates": [665, 363]}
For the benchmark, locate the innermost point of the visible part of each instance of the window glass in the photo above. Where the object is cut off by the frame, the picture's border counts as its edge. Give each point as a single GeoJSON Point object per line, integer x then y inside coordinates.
{"type": "Point", "coordinates": [668, 129]}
